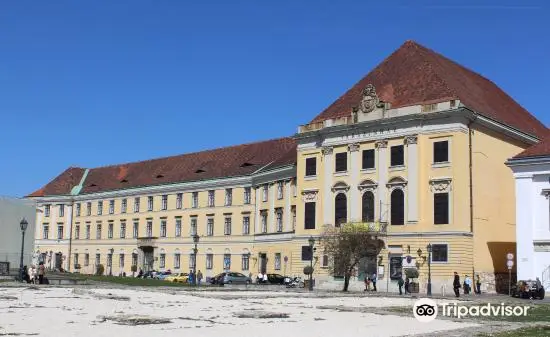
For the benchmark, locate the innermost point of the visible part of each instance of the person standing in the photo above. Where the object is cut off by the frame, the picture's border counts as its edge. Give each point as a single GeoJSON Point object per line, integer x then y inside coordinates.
{"type": "Point", "coordinates": [478, 284]}
{"type": "Point", "coordinates": [400, 284]}
{"type": "Point", "coordinates": [456, 284]}
{"type": "Point", "coordinates": [468, 282]}
{"type": "Point", "coordinates": [199, 277]}
{"type": "Point", "coordinates": [373, 279]}
{"type": "Point", "coordinates": [41, 273]}
{"type": "Point", "coordinates": [407, 283]}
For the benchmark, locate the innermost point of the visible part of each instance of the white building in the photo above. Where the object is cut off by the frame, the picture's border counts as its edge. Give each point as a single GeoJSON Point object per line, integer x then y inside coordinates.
{"type": "Point", "coordinates": [532, 173]}
{"type": "Point", "coordinates": [12, 211]}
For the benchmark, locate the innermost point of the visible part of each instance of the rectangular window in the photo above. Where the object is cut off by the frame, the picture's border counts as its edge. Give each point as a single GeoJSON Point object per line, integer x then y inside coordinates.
{"type": "Point", "coordinates": [78, 209]}
{"type": "Point", "coordinates": [149, 229]}
{"type": "Point", "coordinates": [97, 259]}
{"type": "Point", "coordinates": [210, 227]}
{"type": "Point", "coordinates": [121, 261]}
{"type": "Point", "coordinates": [227, 261]}
{"type": "Point", "coordinates": [150, 203]}
{"type": "Point", "coordinates": [136, 205]}
{"type": "Point", "coordinates": [61, 211]}
{"type": "Point", "coordinates": [309, 216]}
{"type": "Point", "coordinates": [397, 156]}
{"type": "Point", "coordinates": [99, 207]}
{"type": "Point", "coordinates": [88, 231]}
{"type": "Point", "coordinates": [109, 260]}
{"type": "Point", "coordinates": [264, 221]}
{"type": "Point", "coordinates": [280, 189]}
{"type": "Point", "coordinates": [75, 260]}
{"type": "Point", "coordinates": [135, 230]}
{"type": "Point", "coordinates": [440, 253]}
{"type": "Point", "coordinates": [277, 261]}
{"type": "Point", "coordinates": [265, 192]}
{"type": "Point", "coordinates": [193, 227]}
{"type": "Point", "coordinates": [98, 232]}
{"type": "Point", "coordinates": [293, 211]}
{"type": "Point", "coordinates": [59, 232]}
{"type": "Point", "coordinates": [179, 201]}
{"type": "Point", "coordinates": [110, 230]}
{"type": "Point", "coordinates": [45, 231]}
{"type": "Point", "coordinates": [294, 187]}
{"type": "Point", "coordinates": [111, 207]}
{"type": "Point", "coordinates": [246, 225]}
{"type": "Point", "coordinates": [279, 214]}
{"type": "Point", "coordinates": [441, 208]}
{"type": "Point", "coordinates": [177, 261]}
{"type": "Point", "coordinates": [47, 210]}
{"type": "Point", "coordinates": [86, 259]}
{"type": "Point", "coordinates": [134, 259]}
{"type": "Point", "coordinates": [227, 226]}
{"type": "Point", "coordinates": [195, 200]}
{"type": "Point", "coordinates": [324, 261]}
{"type": "Point", "coordinates": [88, 208]}
{"type": "Point", "coordinates": [441, 152]}
{"type": "Point", "coordinates": [211, 198]}
{"type": "Point", "coordinates": [77, 232]}
{"type": "Point", "coordinates": [162, 261]}
{"type": "Point", "coordinates": [307, 254]}
{"type": "Point", "coordinates": [123, 229]}
{"type": "Point", "coordinates": [209, 261]}
{"type": "Point", "coordinates": [368, 159]}
{"type": "Point", "coordinates": [247, 195]}
{"type": "Point", "coordinates": [228, 197]}
{"type": "Point", "coordinates": [178, 227]}
{"type": "Point", "coordinates": [192, 260]}
{"type": "Point", "coordinates": [164, 203]}
{"type": "Point", "coordinates": [123, 206]}
{"type": "Point", "coordinates": [311, 167]}
{"type": "Point", "coordinates": [341, 162]}
{"type": "Point", "coordinates": [245, 262]}
{"type": "Point", "coordinates": [162, 228]}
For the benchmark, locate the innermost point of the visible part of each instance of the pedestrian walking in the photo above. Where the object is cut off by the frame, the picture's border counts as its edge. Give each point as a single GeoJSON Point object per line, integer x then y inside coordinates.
{"type": "Point", "coordinates": [407, 283]}
{"type": "Point", "coordinates": [373, 279]}
{"type": "Point", "coordinates": [41, 273]}
{"type": "Point", "coordinates": [400, 283]}
{"type": "Point", "coordinates": [456, 284]}
{"type": "Point", "coordinates": [199, 277]}
{"type": "Point", "coordinates": [478, 284]}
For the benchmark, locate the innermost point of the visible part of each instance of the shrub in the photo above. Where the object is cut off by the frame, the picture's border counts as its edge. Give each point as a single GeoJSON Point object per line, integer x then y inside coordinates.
{"type": "Point", "coordinates": [411, 273]}
{"type": "Point", "coordinates": [308, 270]}
{"type": "Point", "coordinates": [100, 270]}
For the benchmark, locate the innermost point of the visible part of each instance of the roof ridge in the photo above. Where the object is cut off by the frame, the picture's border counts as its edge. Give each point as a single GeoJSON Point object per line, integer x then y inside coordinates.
{"type": "Point", "coordinates": [190, 153]}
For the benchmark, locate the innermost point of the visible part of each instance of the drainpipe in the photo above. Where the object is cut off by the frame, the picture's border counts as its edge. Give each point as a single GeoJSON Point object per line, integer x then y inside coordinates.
{"type": "Point", "coordinates": [471, 183]}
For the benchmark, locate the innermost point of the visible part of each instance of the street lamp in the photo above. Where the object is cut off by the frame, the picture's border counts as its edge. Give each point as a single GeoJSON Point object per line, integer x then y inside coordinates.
{"type": "Point", "coordinates": [311, 244]}
{"type": "Point", "coordinates": [112, 251]}
{"type": "Point", "coordinates": [429, 247]}
{"type": "Point", "coordinates": [23, 224]}
{"type": "Point", "coordinates": [195, 251]}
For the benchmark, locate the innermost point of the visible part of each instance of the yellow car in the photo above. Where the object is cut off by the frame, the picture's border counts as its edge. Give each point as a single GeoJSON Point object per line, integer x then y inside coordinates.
{"type": "Point", "coordinates": [179, 277]}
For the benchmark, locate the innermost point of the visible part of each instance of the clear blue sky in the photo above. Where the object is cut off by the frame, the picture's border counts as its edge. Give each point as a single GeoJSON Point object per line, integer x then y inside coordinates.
{"type": "Point", "coordinates": [92, 83]}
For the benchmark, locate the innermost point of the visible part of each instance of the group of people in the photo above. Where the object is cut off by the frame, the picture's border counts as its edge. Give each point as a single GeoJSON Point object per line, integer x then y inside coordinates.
{"type": "Point", "coordinates": [261, 278]}
{"type": "Point", "coordinates": [195, 277]}
{"type": "Point", "coordinates": [467, 285]}
{"type": "Point", "coordinates": [370, 280]}
{"type": "Point", "coordinates": [35, 275]}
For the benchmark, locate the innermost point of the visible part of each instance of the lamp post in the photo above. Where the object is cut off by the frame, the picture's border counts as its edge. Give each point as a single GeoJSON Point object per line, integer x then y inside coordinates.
{"type": "Point", "coordinates": [112, 251]}
{"type": "Point", "coordinates": [195, 251]}
{"type": "Point", "coordinates": [429, 247]}
{"type": "Point", "coordinates": [23, 224]}
{"type": "Point", "coordinates": [311, 244]}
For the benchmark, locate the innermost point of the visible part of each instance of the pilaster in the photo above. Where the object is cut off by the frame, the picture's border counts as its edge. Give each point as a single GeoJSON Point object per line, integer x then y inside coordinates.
{"type": "Point", "coordinates": [271, 214]}
{"type": "Point", "coordinates": [354, 181]}
{"type": "Point", "coordinates": [328, 167]}
{"type": "Point", "coordinates": [287, 216]}
{"type": "Point", "coordinates": [382, 154]}
{"type": "Point", "coordinates": [413, 176]}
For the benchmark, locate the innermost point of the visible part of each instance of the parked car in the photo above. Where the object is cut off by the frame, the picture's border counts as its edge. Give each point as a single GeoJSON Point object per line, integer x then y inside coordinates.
{"type": "Point", "coordinates": [232, 277]}
{"type": "Point", "coordinates": [217, 279]}
{"type": "Point", "coordinates": [528, 289]}
{"type": "Point", "coordinates": [275, 279]}
{"type": "Point", "coordinates": [149, 274]}
{"type": "Point", "coordinates": [179, 278]}
{"type": "Point", "coordinates": [163, 274]}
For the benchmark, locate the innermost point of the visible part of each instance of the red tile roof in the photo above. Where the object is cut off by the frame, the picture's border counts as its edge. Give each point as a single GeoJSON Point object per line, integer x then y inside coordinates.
{"type": "Point", "coordinates": [62, 184]}
{"type": "Point", "coordinates": [232, 161]}
{"type": "Point", "coordinates": [414, 75]}
{"type": "Point", "coordinates": [541, 149]}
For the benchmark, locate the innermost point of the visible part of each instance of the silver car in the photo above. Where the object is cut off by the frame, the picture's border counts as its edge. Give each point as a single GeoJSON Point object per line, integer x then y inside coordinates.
{"type": "Point", "coordinates": [231, 277]}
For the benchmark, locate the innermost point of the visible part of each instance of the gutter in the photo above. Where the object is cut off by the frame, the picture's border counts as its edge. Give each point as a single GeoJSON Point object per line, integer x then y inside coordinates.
{"type": "Point", "coordinates": [471, 182]}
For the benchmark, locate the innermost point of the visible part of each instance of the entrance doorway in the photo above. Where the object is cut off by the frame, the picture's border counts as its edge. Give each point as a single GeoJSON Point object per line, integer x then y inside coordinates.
{"type": "Point", "coordinates": [367, 267]}
{"type": "Point", "coordinates": [148, 258]}
{"type": "Point", "coordinates": [263, 263]}
{"type": "Point", "coordinates": [58, 261]}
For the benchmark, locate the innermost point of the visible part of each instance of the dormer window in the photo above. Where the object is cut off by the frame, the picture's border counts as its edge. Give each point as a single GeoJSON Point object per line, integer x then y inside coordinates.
{"type": "Point", "coordinates": [200, 171]}
{"type": "Point", "coordinates": [246, 164]}
{"type": "Point", "coordinates": [160, 176]}
{"type": "Point", "coordinates": [124, 181]}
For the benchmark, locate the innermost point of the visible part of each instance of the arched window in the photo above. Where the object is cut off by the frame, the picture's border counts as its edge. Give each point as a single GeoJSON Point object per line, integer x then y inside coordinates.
{"type": "Point", "coordinates": [340, 209]}
{"type": "Point", "coordinates": [397, 207]}
{"type": "Point", "coordinates": [368, 207]}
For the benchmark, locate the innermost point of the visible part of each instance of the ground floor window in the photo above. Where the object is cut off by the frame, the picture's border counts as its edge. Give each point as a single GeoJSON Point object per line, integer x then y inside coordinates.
{"type": "Point", "coordinates": [396, 267]}
{"type": "Point", "coordinates": [440, 253]}
{"type": "Point", "coordinates": [209, 261]}
{"type": "Point", "coordinates": [245, 262]}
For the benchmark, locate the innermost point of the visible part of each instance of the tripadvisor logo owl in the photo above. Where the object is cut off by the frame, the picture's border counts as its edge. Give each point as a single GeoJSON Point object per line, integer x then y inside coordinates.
{"type": "Point", "coordinates": [425, 310]}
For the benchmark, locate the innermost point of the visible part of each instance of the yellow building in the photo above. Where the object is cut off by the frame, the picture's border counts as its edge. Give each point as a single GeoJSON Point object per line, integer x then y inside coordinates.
{"type": "Point", "coordinates": [417, 146]}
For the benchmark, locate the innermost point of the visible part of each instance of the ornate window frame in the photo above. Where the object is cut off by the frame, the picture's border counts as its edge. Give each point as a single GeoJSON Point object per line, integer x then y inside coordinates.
{"type": "Point", "coordinates": [443, 185]}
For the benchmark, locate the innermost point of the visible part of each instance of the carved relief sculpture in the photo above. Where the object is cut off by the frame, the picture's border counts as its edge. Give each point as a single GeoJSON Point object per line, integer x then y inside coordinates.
{"type": "Point", "coordinates": [309, 196]}
{"type": "Point", "coordinates": [381, 144]}
{"type": "Point", "coordinates": [440, 185]}
{"type": "Point", "coordinates": [327, 150]}
{"type": "Point", "coordinates": [370, 100]}
{"type": "Point", "coordinates": [353, 147]}
{"type": "Point", "coordinates": [411, 140]}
